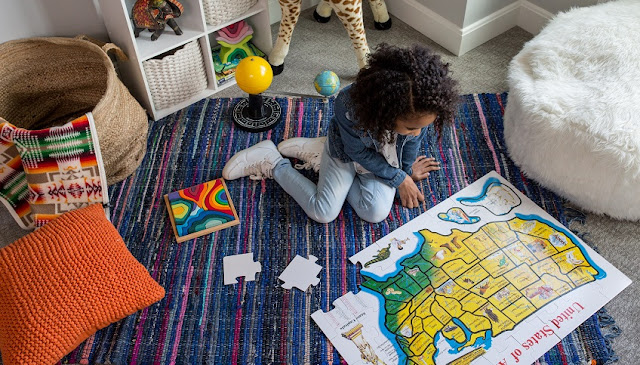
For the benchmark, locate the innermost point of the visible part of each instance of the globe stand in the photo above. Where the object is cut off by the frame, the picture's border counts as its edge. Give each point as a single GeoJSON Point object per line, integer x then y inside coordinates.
{"type": "Point", "coordinates": [257, 114]}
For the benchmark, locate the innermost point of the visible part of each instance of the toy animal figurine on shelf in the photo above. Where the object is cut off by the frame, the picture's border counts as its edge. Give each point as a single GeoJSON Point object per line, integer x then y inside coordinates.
{"type": "Point", "coordinates": [154, 14]}
{"type": "Point", "coordinates": [350, 14]}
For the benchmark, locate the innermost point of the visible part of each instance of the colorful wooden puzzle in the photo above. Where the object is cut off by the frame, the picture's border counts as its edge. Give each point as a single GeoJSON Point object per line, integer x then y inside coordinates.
{"type": "Point", "coordinates": [200, 210]}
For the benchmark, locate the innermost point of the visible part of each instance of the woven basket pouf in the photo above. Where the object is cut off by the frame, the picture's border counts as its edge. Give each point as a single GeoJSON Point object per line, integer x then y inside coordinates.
{"type": "Point", "coordinates": [45, 82]}
{"type": "Point", "coordinates": [572, 120]}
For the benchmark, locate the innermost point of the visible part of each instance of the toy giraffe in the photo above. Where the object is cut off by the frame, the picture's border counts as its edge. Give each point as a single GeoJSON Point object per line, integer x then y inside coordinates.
{"type": "Point", "coordinates": [350, 14]}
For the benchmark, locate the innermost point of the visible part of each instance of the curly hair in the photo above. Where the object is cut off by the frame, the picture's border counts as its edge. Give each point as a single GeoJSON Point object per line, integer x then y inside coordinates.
{"type": "Point", "coordinates": [402, 83]}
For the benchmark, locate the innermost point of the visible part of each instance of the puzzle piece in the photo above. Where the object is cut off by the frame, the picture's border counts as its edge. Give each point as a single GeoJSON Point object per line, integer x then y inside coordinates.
{"type": "Point", "coordinates": [438, 223]}
{"type": "Point", "coordinates": [379, 257]}
{"type": "Point", "coordinates": [502, 351]}
{"type": "Point", "coordinates": [458, 215]}
{"type": "Point", "coordinates": [372, 259]}
{"type": "Point", "coordinates": [569, 312]}
{"type": "Point", "coordinates": [479, 361]}
{"type": "Point", "coordinates": [369, 345]}
{"type": "Point", "coordinates": [240, 265]}
{"type": "Point", "coordinates": [365, 255]}
{"type": "Point", "coordinates": [534, 334]}
{"type": "Point", "coordinates": [301, 273]}
{"type": "Point", "coordinates": [496, 197]}
{"type": "Point", "coordinates": [345, 310]}
{"type": "Point", "coordinates": [351, 326]}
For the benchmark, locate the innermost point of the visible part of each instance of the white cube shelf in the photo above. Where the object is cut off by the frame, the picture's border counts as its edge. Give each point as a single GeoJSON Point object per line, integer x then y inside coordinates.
{"type": "Point", "coordinates": [117, 19]}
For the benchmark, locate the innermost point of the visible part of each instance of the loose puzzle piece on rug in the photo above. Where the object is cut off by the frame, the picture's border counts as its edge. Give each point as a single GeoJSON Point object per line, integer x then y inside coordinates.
{"type": "Point", "coordinates": [485, 277]}
{"type": "Point", "coordinates": [240, 265]}
{"type": "Point", "coordinates": [301, 273]}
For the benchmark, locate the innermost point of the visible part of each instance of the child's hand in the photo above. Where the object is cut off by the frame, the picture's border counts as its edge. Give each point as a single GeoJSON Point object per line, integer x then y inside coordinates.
{"type": "Point", "coordinates": [410, 195]}
{"type": "Point", "coordinates": [421, 167]}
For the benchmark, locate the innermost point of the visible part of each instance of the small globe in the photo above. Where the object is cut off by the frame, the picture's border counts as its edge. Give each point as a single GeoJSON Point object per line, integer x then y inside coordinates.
{"type": "Point", "coordinates": [327, 83]}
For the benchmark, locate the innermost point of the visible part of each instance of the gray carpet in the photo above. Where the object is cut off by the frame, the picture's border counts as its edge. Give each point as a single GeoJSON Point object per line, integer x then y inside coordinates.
{"type": "Point", "coordinates": [317, 47]}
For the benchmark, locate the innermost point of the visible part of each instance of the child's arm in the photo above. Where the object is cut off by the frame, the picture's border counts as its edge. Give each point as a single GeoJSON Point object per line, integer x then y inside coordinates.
{"type": "Point", "coordinates": [410, 195]}
{"type": "Point", "coordinates": [368, 158]}
{"type": "Point", "coordinates": [410, 151]}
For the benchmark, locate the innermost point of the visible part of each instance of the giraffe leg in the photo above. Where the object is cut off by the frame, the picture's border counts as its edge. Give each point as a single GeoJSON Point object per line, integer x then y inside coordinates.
{"type": "Point", "coordinates": [290, 13]}
{"type": "Point", "coordinates": [381, 18]}
{"type": "Point", "coordinates": [323, 12]}
{"type": "Point", "coordinates": [351, 17]}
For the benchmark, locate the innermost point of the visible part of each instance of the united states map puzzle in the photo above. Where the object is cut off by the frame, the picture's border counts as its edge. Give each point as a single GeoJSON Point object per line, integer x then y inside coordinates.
{"type": "Point", "coordinates": [486, 277]}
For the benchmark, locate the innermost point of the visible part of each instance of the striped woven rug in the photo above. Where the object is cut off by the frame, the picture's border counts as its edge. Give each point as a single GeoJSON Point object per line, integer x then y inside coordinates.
{"type": "Point", "coordinates": [203, 321]}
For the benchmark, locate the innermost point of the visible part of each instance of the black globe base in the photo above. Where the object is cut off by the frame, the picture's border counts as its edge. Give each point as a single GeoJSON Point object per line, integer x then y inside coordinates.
{"type": "Point", "coordinates": [256, 114]}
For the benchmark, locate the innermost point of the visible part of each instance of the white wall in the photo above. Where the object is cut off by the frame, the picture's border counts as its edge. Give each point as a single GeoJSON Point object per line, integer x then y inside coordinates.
{"type": "Point", "coordinates": [461, 25]}
{"type": "Point", "coordinates": [48, 18]}
{"type": "Point", "coordinates": [452, 10]}
{"type": "Point", "coordinates": [478, 9]}
{"type": "Point", "coordinates": [554, 6]}
{"type": "Point", "coordinates": [68, 18]}
{"type": "Point", "coordinates": [33, 18]}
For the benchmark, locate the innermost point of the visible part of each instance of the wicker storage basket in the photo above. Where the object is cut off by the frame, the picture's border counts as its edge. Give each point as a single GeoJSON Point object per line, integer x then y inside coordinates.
{"type": "Point", "coordinates": [177, 77]}
{"type": "Point", "coordinates": [46, 82]}
{"type": "Point", "coordinates": [220, 11]}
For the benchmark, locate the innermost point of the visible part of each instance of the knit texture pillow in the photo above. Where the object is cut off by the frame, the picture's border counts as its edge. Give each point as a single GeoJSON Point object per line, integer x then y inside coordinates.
{"type": "Point", "coordinates": [65, 281]}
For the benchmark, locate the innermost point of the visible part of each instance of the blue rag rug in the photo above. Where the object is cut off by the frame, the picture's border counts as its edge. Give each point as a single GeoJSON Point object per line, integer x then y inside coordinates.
{"type": "Point", "coordinates": [203, 321]}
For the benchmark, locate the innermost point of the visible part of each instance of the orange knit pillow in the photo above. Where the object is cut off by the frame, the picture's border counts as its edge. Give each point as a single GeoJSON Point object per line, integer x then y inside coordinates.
{"type": "Point", "coordinates": [65, 281]}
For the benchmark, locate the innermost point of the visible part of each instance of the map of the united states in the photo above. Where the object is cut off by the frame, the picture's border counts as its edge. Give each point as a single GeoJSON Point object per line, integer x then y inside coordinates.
{"type": "Point", "coordinates": [469, 287]}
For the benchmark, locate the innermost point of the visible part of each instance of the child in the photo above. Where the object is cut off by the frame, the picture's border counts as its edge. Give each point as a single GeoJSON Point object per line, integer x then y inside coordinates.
{"type": "Point", "coordinates": [373, 139]}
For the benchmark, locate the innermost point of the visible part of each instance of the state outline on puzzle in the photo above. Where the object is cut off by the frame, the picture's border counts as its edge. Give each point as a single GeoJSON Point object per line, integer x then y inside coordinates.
{"type": "Point", "coordinates": [498, 198]}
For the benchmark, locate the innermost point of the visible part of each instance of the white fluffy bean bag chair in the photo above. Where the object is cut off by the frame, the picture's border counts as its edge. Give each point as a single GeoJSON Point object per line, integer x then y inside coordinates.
{"type": "Point", "coordinates": [572, 120]}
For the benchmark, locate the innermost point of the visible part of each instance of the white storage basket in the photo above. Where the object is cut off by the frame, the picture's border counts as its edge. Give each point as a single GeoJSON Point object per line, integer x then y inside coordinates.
{"type": "Point", "coordinates": [220, 11]}
{"type": "Point", "coordinates": [177, 77]}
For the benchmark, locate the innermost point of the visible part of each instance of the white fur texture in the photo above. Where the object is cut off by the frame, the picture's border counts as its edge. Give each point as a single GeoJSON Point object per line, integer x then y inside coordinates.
{"type": "Point", "coordinates": [572, 120]}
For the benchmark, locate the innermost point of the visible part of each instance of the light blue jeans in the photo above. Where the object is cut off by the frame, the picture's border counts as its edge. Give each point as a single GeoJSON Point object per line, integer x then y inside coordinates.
{"type": "Point", "coordinates": [338, 181]}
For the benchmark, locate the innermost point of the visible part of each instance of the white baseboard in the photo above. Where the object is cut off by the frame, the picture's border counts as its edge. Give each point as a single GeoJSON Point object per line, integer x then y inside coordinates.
{"type": "Point", "coordinates": [424, 20]}
{"type": "Point", "coordinates": [532, 17]}
{"type": "Point", "coordinates": [489, 27]}
{"type": "Point", "coordinates": [458, 40]}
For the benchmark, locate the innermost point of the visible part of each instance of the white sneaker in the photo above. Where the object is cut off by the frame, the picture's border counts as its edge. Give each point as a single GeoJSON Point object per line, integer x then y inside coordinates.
{"type": "Point", "coordinates": [308, 150]}
{"type": "Point", "coordinates": [257, 162]}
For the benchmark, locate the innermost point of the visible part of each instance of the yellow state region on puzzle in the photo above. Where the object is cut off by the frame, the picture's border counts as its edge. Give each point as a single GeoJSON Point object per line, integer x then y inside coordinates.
{"type": "Point", "coordinates": [481, 244]}
{"type": "Point", "coordinates": [439, 249]}
{"type": "Point", "coordinates": [472, 276]}
{"type": "Point", "coordinates": [500, 233]}
{"type": "Point", "coordinates": [478, 284]}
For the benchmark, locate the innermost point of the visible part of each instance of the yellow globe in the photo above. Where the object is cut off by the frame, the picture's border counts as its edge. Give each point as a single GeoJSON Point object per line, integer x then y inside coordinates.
{"type": "Point", "coordinates": [254, 75]}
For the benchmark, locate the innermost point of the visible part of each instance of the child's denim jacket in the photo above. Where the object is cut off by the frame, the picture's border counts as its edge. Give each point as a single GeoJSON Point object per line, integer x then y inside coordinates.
{"type": "Point", "coordinates": [348, 143]}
